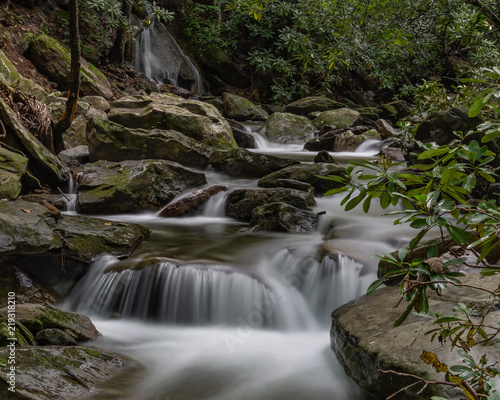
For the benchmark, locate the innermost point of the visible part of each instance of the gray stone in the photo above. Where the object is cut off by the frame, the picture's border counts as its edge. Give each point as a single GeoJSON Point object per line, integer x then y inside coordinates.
{"type": "Point", "coordinates": [282, 217]}
{"type": "Point", "coordinates": [75, 155]}
{"type": "Point", "coordinates": [241, 109]}
{"type": "Point", "coordinates": [288, 128]}
{"type": "Point", "coordinates": [348, 141]}
{"type": "Point", "coordinates": [308, 105]}
{"type": "Point", "coordinates": [342, 118]}
{"type": "Point", "coordinates": [55, 337]}
{"type": "Point", "coordinates": [12, 168]}
{"type": "Point", "coordinates": [190, 202]}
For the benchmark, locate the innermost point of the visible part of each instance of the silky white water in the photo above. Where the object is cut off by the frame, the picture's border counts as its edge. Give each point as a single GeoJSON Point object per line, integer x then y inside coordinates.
{"type": "Point", "coordinates": [213, 311]}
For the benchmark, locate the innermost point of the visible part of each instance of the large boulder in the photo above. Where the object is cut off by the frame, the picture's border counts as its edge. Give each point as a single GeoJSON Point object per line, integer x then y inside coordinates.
{"type": "Point", "coordinates": [131, 186]}
{"type": "Point", "coordinates": [348, 141]}
{"type": "Point", "coordinates": [244, 163]}
{"type": "Point", "coordinates": [58, 372]}
{"type": "Point", "coordinates": [12, 168]}
{"type": "Point", "coordinates": [282, 217]}
{"type": "Point", "coordinates": [198, 120]}
{"type": "Point", "coordinates": [11, 77]}
{"type": "Point", "coordinates": [325, 140]}
{"type": "Point", "coordinates": [241, 109]}
{"type": "Point", "coordinates": [307, 105]}
{"type": "Point", "coordinates": [53, 60]}
{"type": "Point", "coordinates": [42, 163]}
{"type": "Point", "coordinates": [365, 341]}
{"type": "Point", "coordinates": [440, 126]}
{"type": "Point", "coordinates": [309, 173]}
{"type": "Point", "coordinates": [342, 118]}
{"type": "Point", "coordinates": [240, 203]}
{"type": "Point", "coordinates": [114, 142]}
{"type": "Point", "coordinates": [190, 203]}
{"type": "Point", "coordinates": [288, 128]}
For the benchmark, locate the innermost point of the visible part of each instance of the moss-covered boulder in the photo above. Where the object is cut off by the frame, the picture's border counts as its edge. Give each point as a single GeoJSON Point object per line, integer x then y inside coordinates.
{"type": "Point", "coordinates": [86, 238]}
{"type": "Point", "coordinates": [342, 118]}
{"type": "Point", "coordinates": [53, 60]}
{"type": "Point", "coordinates": [308, 105]}
{"type": "Point", "coordinates": [42, 163]}
{"type": "Point", "coordinates": [131, 186]}
{"type": "Point", "coordinates": [24, 229]}
{"type": "Point", "coordinates": [308, 173]}
{"type": "Point", "coordinates": [244, 163]}
{"type": "Point", "coordinates": [59, 372]}
{"type": "Point", "coordinates": [37, 317]}
{"type": "Point", "coordinates": [12, 168]}
{"type": "Point", "coordinates": [241, 109]}
{"type": "Point", "coordinates": [11, 77]}
{"type": "Point", "coordinates": [288, 128]}
{"type": "Point", "coordinates": [114, 142]}
{"type": "Point", "coordinates": [282, 217]}
{"type": "Point", "coordinates": [240, 203]}
{"type": "Point", "coordinates": [195, 119]}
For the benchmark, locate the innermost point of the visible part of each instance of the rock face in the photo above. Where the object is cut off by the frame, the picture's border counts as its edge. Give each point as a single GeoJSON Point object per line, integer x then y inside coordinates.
{"type": "Point", "coordinates": [307, 105]}
{"type": "Point", "coordinates": [12, 168]}
{"type": "Point", "coordinates": [42, 163]}
{"type": "Point", "coordinates": [114, 142]}
{"type": "Point", "coordinates": [241, 109]}
{"type": "Point", "coordinates": [68, 372]}
{"type": "Point", "coordinates": [241, 202]}
{"type": "Point", "coordinates": [54, 60]}
{"type": "Point", "coordinates": [282, 217]}
{"type": "Point", "coordinates": [364, 339]}
{"type": "Point", "coordinates": [244, 163]}
{"type": "Point", "coordinates": [307, 173]}
{"type": "Point", "coordinates": [288, 128]}
{"type": "Point", "coordinates": [192, 201]}
{"type": "Point", "coordinates": [195, 119]}
{"type": "Point", "coordinates": [342, 118]}
{"type": "Point", "coordinates": [133, 185]}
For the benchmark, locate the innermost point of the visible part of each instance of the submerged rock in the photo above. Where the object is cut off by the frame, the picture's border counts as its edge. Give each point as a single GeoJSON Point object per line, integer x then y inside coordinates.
{"type": "Point", "coordinates": [114, 142]}
{"type": "Point", "coordinates": [244, 163]}
{"type": "Point", "coordinates": [241, 109]}
{"type": "Point", "coordinates": [309, 173]}
{"type": "Point", "coordinates": [241, 202]}
{"type": "Point", "coordinates": [282, 217]}
{"type": "Point", "coordinates": [288, 128]}
{"type": "Point", "coordinates": [364, 339]}
{"type": "Point", "coordinates": [195, 119]}
{"type": "Point", "coordinates": [131, 186]}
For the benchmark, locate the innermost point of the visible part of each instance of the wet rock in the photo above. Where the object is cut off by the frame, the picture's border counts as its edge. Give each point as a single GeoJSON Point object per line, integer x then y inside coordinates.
{"type": "Point", "coordinates": [12, 168]}
{"type": "Point", "coordinates": [308, 173]}
{"type": "Point", "coordinates": [54, 337]}
{"type": "Point", "coordinates": [98, 102]}
{"type": "Point", "coordinates": [288, 128]}
{"type": "Point", "coordinates": [114, 142]}
{"type": "Point", "coordinates": [42, 163]}
{"type": "Point", "coordinates": [131, 186]}
{"type": "Point", "coordinates": [308, 105]}
{"type": "Point", "coordinates": [243, 138]}
{"type": "Point", "coordinates": [293, 184]}
{"type": "Point", "coordinates": [241, 202]}
{"type": "Point", "coordinates": [37, 317]}
{"type": "Point", "coordinates": [53, 60]}
{"type": "Point", "coordinates": [68, 372]}
{"type": "Point", "coordinates": [241, 109]}
{"type": "Point", "coordinates": [385, 129]}
{"type": "Point", "coordinates": [244, 163]}
{"type": "Point", "coordinates": [342, 118]}
{"type": "Point", "coordinates": [364, 339]}
{"type": "Point", "coordinates": [57, 200]}
{"type": "Point", "coordinates": [395, 154]}
{"type": "Point", "coordinates": [323, 141]}
{"type": "Point", "coordinates": [282, 217]}
{"type": "Point", "coordinates": [324, 157]}
{"type": "Point", "coordinates": [192, 201]}
{"type": "Point", "coordinates": [195, 119]}
{"type": "Point", "coordinates": [348, 141]}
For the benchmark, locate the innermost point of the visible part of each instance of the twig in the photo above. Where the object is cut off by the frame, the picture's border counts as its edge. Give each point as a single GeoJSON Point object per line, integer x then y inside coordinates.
{"type": "Point", "coordinates": [60, 191]}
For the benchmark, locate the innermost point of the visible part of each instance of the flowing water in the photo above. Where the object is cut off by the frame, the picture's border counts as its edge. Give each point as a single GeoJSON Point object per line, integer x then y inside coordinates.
{"type": "Point", "coordinates": [215, 312]}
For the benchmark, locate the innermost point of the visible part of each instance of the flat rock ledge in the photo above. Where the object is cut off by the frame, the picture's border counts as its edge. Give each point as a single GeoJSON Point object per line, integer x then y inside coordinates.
{"type": "Point", "coordinates": [364, 339]}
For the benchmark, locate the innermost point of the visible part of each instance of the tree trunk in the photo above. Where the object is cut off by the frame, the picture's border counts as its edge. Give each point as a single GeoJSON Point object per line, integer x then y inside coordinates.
{"type": "Point", "coordinates": [74, 78]}
{"type": "Point", "coordinates": [117, 52]}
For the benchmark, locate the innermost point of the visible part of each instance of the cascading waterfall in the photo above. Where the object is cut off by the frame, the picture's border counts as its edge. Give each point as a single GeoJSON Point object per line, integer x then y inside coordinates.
{"type": "Point", "coordinates": [160, 58]}
{"type": "Point", "coordinates": [70, 197]}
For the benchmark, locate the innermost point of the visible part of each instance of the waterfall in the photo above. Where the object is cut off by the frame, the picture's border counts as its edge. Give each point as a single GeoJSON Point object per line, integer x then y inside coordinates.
{"type": "Point", "coordinates": [162, 60]}
{"type": "Point", "coordinates": [70, 197]}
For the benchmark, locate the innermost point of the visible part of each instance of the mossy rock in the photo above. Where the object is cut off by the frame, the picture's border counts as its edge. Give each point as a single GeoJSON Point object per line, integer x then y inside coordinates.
{"type": "Point", "coordinates": [241, 109]}
{"type": "Point", "coordinates": [288, 128]}
{"type": "Point", "coordinates": [12, 168]}
{"type": "Point", "coordinates": [348, 141]}
{"type": "Point", "coordinates": [308, 105]}
{"type": "Point", "coordinates": [8, 331]}
{"type": "Point", "coordinates": [342, 118]}
{"type": "Point", "coordinates": [282, 217]}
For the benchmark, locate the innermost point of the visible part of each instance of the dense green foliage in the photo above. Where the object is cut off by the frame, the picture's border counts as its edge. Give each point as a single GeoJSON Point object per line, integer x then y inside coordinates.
{"type": "Point", "coordinates": [318, 46]}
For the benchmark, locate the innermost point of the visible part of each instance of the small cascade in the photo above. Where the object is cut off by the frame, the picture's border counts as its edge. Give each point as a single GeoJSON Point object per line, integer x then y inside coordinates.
{"type": "Point", "coordinates": [70, 197]}
{"type": "Point", "coordinates": [162, 60]}
{"type": "Point", "coordinates": [215, 206]}
{"type": "Point", "coordinates": [187, 295]}
{"type": "Point", "coordinates": [370, 146]}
